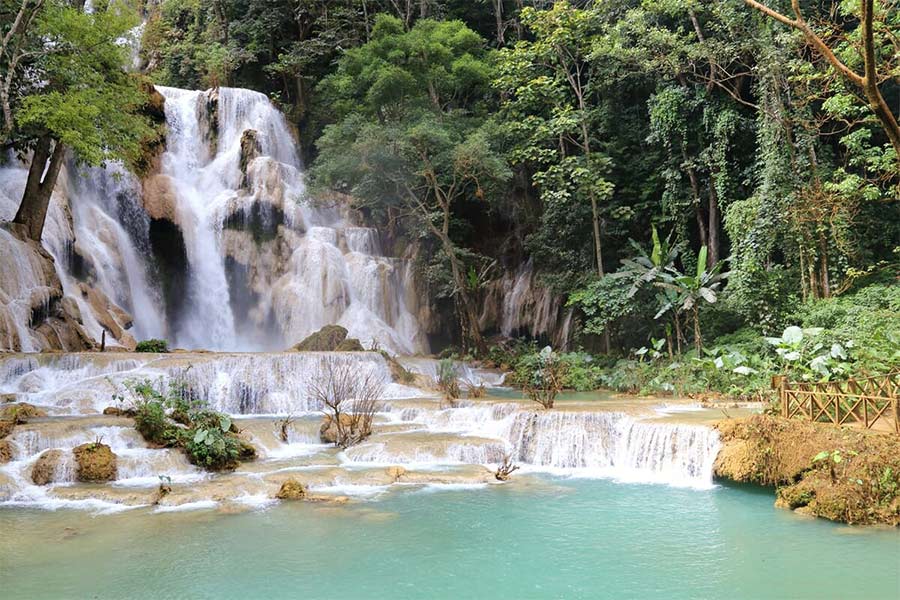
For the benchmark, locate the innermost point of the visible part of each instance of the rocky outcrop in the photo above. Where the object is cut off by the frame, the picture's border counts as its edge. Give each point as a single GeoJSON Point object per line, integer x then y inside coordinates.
{"type": "Point", "coordinates": [112, 318]}
{"type": "Point", "coordinates": [31, 309]}
{"type": "Point", "coordinates": [836, 473]}
{"type": "Point", "coordinates": [326, 339]}
{"type": "Point", "coordinates": [44, 469]}
{"type": "Point", "coordinates": [95, 462]}
{"type": "Point", "coordinates": [350, 345]}
{"type": "Point", "coordinates": [159, 199]}
{"type": "Point", "coordinates": [292, 490]}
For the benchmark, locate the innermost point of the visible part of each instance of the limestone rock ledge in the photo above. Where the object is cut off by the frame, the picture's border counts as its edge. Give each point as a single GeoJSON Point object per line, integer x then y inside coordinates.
{"type": "Point", "coordinates": [841, 474]}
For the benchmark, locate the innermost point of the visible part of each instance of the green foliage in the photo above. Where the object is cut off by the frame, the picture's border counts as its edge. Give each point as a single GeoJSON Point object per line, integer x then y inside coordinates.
{"type": "Point", "coordinates": [84, 99]}
{"type": "Point", "coordinates": [158, 346]}
{"type": "Point", "coordinates": [209, 442]}
{"type": "Point", "coordinates": [171, 419]}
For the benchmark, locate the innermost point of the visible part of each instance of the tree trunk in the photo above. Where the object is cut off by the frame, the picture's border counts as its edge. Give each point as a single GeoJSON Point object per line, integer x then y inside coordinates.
{"type": "Point", "coordinates": [470, 329]}
{"type": "Point", "coordinates": [695, 194]}
{"type": "Point", "coordinates": [713, 228]}
{"type": "Point", "coordinates": [698, 341]}
{"type": "Point", "coordinates": [498, 18]}
{"type": "Point", "coordinates": [823, 266]}
{"type": "Point", "coordinates": [678, 335]}
{"type": "Point", "coordinates": [595, 212]}
{"type": "Point", "coordinates": [36, 199]}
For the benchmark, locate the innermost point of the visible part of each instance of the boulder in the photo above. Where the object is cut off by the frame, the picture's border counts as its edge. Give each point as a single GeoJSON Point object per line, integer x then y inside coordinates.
{"type": "Point", "coordinates": [44, 469]}
{"type": "Point", "coordinates": [350, 345]}
{"type": "Point", "coordinates": [5, 451]}
{"type": "Point", "coordinates": [5, 398]}
{"type": "Point", "coordinates": [291, 490]}
{"type": "Point", "coordinates": [326, 339]}
{"type": "Point", "coordinates": [6, 427]}
{"type": "Point", "coordinates": [95, 462]}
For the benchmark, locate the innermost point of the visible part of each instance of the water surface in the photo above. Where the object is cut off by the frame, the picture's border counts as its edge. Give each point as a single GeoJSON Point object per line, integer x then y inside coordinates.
{"type": "Point", "coordinates": [533, 538]}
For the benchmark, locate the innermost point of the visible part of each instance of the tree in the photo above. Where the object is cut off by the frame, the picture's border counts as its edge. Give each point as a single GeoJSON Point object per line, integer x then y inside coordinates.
{"type": "Point", "coordinates": [878, 53]}
{"type": "Point", "coordinates": [408, 142]}
{"type": "Point", "coordinates": [349, 400]}
{"type": "Point", "coordinates": [72, 94]}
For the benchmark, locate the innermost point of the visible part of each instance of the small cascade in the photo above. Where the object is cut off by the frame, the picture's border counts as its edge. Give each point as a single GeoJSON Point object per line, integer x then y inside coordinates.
{"type": "Point", "coordinates": [468, 375]}
{"type": "Point", "coordinates": [240, 384]}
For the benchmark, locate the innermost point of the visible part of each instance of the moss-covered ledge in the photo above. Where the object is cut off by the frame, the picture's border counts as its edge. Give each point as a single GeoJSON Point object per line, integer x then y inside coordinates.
{"type": "Point", "coordinates": [842, 474]}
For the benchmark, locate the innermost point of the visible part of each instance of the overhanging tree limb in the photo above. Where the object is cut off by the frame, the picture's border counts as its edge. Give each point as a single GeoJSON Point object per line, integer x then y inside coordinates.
{"type": "Point", "coordinates": [868, 82]}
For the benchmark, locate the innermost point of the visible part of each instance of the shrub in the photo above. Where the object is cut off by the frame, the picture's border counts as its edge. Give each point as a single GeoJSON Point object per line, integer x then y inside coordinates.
{"type": "Point", "coordinates": [546, 379]}
{"type": "Point", "coordinates": [158, 346]}
{"type": "Point", "coordinates": [209, 442]}
{"type": "Point", "coordinates": [207, 437]}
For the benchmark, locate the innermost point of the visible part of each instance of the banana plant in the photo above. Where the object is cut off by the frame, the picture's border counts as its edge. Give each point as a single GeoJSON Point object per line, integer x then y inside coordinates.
{"type": "Point", "coordinates": [692, 290]}
{"type": "Point", "coordinates": [644, 268]}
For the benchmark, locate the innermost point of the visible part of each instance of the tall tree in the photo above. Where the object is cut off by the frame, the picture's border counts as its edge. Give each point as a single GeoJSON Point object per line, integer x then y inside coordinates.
{"type": "Point", "coordinates": [72, 94]}
{"type": "Point", "coordinates": [408, 139]}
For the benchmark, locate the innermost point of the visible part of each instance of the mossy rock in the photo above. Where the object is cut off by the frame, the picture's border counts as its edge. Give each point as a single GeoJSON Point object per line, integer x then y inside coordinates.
{"type": "Point", "coordinates": [326, 339]}
{"type": "Point", "coordinates": [44, 469]}
{"type": "Point", "coordinates": [21, 412]}
{"type": "Point", "coordinates": [292, 490]}
{"type": "Point", "coordinates": [95, 462]}
{"type": "Point", "coordinates": [247, 450]}
{"type": "Point", "coordinates": [350, 345]}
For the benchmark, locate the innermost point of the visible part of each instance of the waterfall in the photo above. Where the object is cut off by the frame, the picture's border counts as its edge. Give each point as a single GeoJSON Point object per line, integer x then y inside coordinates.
{"type": "Point", "coordinates": [219, 247]}
{"type": "Point", "coordinates": [516, 304]}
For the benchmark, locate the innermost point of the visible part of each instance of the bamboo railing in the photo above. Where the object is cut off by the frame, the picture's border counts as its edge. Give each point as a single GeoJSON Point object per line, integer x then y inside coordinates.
{"type": "Point", "coordinates": [855, 401]}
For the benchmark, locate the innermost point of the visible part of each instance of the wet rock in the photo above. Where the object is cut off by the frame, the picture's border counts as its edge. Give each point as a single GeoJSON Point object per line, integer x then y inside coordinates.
{"type": "Point", "coordinates": [44, 469]}
{"type": "Point", "coordinates": [70, 308]}
{"type": "Point", "coordinates": [6, 427]}
{"type": "Point", "coordinates": [350, 345]}
{"type": "Point", "coordinates": [115, 411]}
{"type": "Point", "coordinates": [159, 199]}
{"type": "Point", "coordinates": [21, 412]}
{"type": "Point", "coordinates": [6, 398]}
{"type": "Point", "coordinates": [250, 149]}
{"type": "Point", "coordinates": [95, 462]}
{"type": "Point", "coordinates": [5, 451]}
{"type": "Point", "coordinates": [112, 318]}
{"type": "Point", "coordinates": [326, 339]}
{"type": "Point", "coordinates": [292, 490]}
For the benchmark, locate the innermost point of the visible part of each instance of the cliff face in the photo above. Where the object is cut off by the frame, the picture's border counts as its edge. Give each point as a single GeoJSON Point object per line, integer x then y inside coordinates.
{"type": "Point", "coordinates": [840, 474]}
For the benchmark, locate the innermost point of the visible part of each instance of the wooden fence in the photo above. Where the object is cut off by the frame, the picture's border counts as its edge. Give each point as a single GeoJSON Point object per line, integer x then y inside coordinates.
{"type": "Point", "coordinates": [855, 401]}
